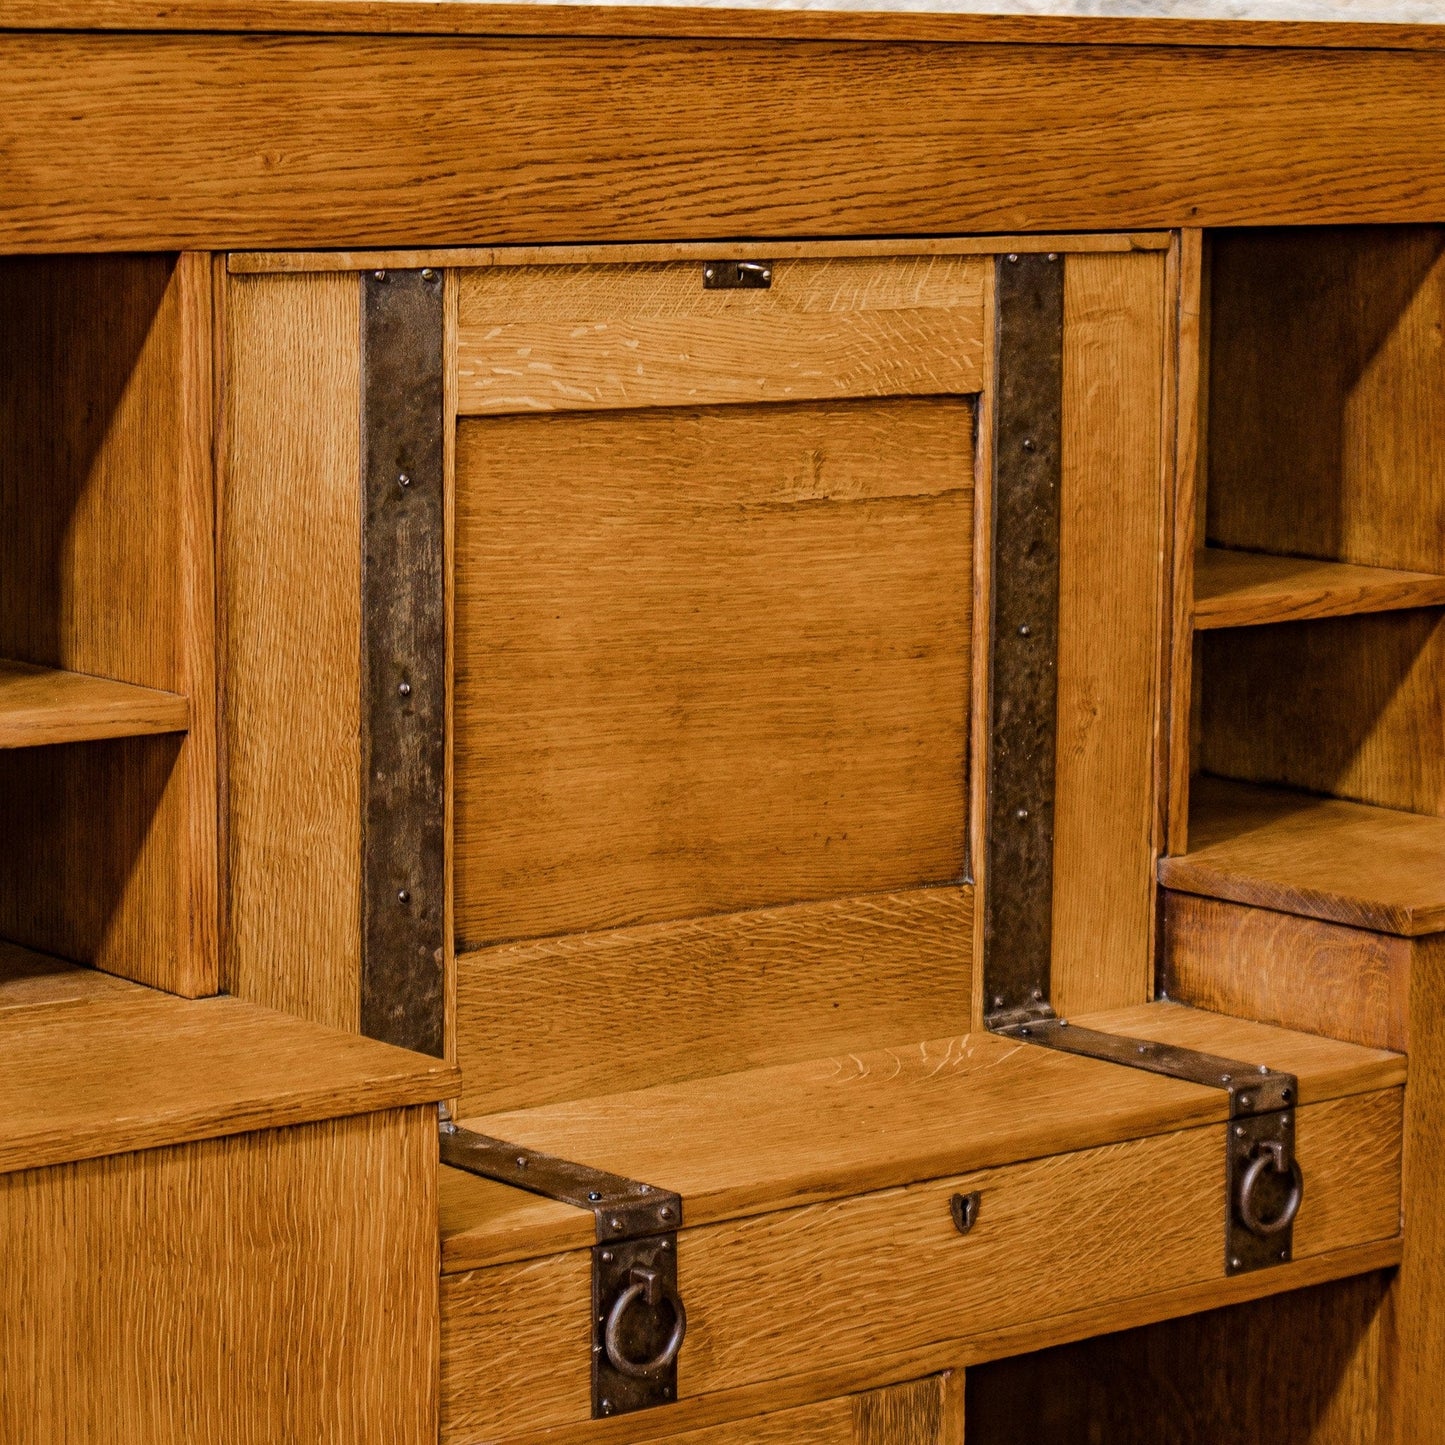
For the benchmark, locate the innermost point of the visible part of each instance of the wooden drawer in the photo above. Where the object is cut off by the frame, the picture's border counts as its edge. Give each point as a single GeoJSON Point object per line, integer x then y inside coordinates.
{"type": "Point", "coordinates": [783, 1283]}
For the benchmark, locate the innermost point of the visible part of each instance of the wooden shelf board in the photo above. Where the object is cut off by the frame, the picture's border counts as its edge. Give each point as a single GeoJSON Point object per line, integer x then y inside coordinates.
{"type": "Point", "coordinates": [91, 1066]}
{"type": "Point", "coordinates": [795, 1134]}
{"type": "Point", "coordinates": [1343, 862]}
{"type": "Point", "coordinates": [1248, 589]}
{"type": "Point", "coordinates": [43, 705]}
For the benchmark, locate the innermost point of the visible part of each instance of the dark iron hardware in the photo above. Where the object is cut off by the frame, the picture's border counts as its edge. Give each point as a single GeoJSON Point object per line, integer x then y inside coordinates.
{"type": "Point", "coordinates": [403, 661]}
{"type": "Point", "coordinates": [1265, 1185]}
{"type": "Point", "coordinates": [736, 276]}
{"type": "Point", "coordinates": [1024, 637]}
{"type": "Point", "coordinates": [639, 1321]}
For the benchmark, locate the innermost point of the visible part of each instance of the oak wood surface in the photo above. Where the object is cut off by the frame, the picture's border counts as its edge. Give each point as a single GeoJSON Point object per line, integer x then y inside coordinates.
{"type": "Point", "coordinates": [605, 252]}
{"type": "Point", "coordinates": [1302, 1368]}
{"type": "Point", "coordinates": [1245, 589]}
{"type": "Point", "coordinates": [531, 140]}
{"type": "Point", "coordinates": [290, 547]}
{"type": "Point", "coordinates": [1349, 1148]}
{"type": "Point", "coordinates": [674, 1001]}
{"type": "Point", "coordinates": [884, 1367]}
{"type": "Point", "coordinates": [34, 980]}
{"type": "Point", "coordinates": [1299, 973]}
{"type": "Point", "coordinates": [41, 705]}
{"type": "Point", "coordinates": [106, 555]}
{"type": "Point", "coordinates": [1342, 862]}
{"type": "Point", "coordinates": [794, 1134]}
{"type": "Point", "coordinates": [1415, 1388]}
{"type": "Point", "coordinates": [131, 1068]}
{"type": "Point", "coordinates": [708, 659]}
{"type": "Point", "coordinates": [1191, 458]}
{"type": "Point", "coordinates": [271, 1286]}
{"type": "Point", "coordinates": [450, 17]}
{"type": "Point", "coordinates": [568, 338]}
{"type": "Point", "coordinates": [1327, 395]}
{"type": "Point", "coordinates": [1116, 373]}
{"type": "Point", "coordinates": [1350, 706]}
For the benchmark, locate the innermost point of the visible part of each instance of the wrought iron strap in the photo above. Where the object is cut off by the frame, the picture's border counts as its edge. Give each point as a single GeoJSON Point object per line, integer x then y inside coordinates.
{"type": "Point", "coordinates": [1252, 1088]}
{"type": "Point", "coordinates": [1264, 1185]}
{"type": "Point", "coordinates": [1024, 636]}
{"type": "Point", "coordinates": [623, 1208]}
{"type": "Point", "coordinates": [403, 662]}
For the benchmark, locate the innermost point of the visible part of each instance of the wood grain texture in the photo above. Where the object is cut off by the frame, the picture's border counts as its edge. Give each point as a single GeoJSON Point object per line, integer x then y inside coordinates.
{"type": "Point", "coordinates": [885, 1367]}
{"type": "Point", "coordinates": [1327, 395]}
{"type": "Point", "coordinates": [563, 338]}
{"type": "Point", "coordinates": [1351, 706]}
{"type": "Point", "coordinates": [125, 1069]}
{"type": "Point", "coordinates": [804, 1264]}
{"type": "Point", "coordinates": [709, 996]}
{"type": "Point", "coordinates": [291, 630]}
{"type": "Point", "coordinates": [1299, 973]}
{"type": "Point", "coordinates": [1415, 1390]}
{"type": "Point", "coordinates": [795, 1134]}
{"type": "Point", "coordinates": [32, 980]}
{"type": "Point", "coordinates": [1191, 453]}
{"type": "Point", "coordinates": [266, 263]}
{"type": "Point", "coordinates": [40, 705]}
{"type": "Point", "coordinates": [708, 659]}
{"type": "Point", "coordinates": [537, 140]}
{"type": "Point", "coordinates": [1303, 1368]}
{"type": "Point", "coordinates": [1110, 585]}
{"type": "Point", "coordinates": [450, 17]}
{"type": "Point", "coordinates": [1245, 589]}
{"type": "Point", "coordinates": [106, 552]}
{"type": "Point", "coordinates": [272, 1286]}
{"type": "Point", "coordinates": [1342, 862]}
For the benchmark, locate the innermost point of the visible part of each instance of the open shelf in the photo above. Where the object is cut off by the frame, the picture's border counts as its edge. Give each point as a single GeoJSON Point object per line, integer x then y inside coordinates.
{"type": "Point", "coordinates": [42, 705]}
{"type": "Point", "coordinates": [1248, 589]}
{"type": "Point", "coordinates": [1349, 863]}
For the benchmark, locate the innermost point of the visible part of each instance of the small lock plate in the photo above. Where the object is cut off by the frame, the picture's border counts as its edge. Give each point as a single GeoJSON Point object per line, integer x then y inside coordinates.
{"type": "Point", "coordinates": [1270, 1138]}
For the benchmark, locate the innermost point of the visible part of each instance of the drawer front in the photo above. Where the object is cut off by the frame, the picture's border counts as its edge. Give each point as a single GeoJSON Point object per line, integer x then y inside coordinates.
{"type": "Point", "coordinates": [829, 1285]}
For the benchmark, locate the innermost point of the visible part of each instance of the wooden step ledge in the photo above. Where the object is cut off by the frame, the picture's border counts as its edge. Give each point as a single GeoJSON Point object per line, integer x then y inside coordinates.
{"type": "Point", "coordinates": [1323, 858]}
{"type": "Point", "coordinates": [43, 705]}
{"type": "Point", "coordinates": [1250, 589]}
{"type": "Point", "coordinates": [796, 1134]}
{"type": "Point", "coordinates": [92, 1066]}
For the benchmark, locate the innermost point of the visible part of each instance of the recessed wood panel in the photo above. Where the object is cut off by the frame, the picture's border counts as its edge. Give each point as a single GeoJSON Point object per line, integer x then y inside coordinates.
{"type": "Point", "coordinates": [708, 659]}
{"type": "Point", "coordinates": [569, 338]}
{"type": "Point", "coordinates": [632, 1007]}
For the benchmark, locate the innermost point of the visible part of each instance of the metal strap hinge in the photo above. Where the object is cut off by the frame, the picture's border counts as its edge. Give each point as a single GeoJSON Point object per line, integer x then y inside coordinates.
{"type": "Point", "coordinates": [1263, 1180]}
{"type": "Point", "coordinates": [638, 1318]}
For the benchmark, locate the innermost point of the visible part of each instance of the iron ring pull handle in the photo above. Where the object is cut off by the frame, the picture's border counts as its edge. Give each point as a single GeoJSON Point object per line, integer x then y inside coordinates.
{"type": "Point", "coordinates": [646, 1285]}
{"type": "Point", "coordinates": [1271, 1157]}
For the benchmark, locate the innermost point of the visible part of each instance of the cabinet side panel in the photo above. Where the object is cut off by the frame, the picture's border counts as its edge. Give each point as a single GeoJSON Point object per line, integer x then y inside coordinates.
{"type": "Point", "coordinates": [1111, 585]}
{"type": "Point", "coordinates": [291, 626]}
{"type": "Point", "coordinates": [264, 1287]}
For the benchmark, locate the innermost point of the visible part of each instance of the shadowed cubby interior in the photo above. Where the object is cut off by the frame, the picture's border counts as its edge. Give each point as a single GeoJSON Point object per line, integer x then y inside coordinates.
{"type": "Point", "coordinates": [1319, 656]}
{"type": "Point", "coordinates": [107, 756]}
